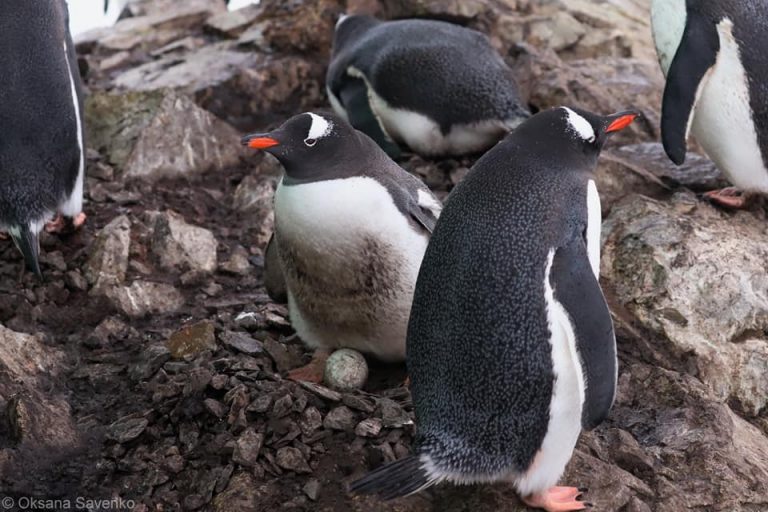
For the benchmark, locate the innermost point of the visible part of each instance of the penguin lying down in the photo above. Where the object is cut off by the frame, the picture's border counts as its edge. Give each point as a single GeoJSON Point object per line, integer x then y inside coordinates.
{"type": "Point", "coordinates": [351, 228]}
{"type": "Point", "coordinates": [439, 88]}
{"type": "Point", "coordinates": [510, 347]}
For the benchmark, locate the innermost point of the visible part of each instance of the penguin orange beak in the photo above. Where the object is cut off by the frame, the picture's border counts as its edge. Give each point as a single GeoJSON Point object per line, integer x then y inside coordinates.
{"type": "Point", "coordinates": [621, 122]}
{"type": "Point", "coordinates": [258, 142]}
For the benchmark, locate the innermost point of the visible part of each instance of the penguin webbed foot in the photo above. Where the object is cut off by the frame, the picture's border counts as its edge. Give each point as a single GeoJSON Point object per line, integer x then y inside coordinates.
{"type": "Point", "coordinates": [314, 370]}
{"type": "Point", "coordinates": [729, 197]}
{"type": "Point", "coordinates": [558, 499]}
{"type": "Point", "coordinates": [60, 224]}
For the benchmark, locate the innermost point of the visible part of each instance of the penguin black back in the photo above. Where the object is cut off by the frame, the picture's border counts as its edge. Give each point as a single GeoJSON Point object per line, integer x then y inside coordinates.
{"type": "Point", "coordinates": [39, 153]}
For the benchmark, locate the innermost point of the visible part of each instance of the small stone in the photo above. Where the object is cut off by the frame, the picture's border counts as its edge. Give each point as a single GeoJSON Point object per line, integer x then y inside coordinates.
{"type": "Point", "coordinates": [192, 340]}
{"type": "Point", "coordinates": [153, 358]}
{"type": "Point", "coordinates": [282, 406]}
{"type": "Point", "coordinates": [126, 429]}
{"type": "Point", "coordinates": [174, 463]}
{"type": "Point", "coordinates": [237, 263]}
{"type": "Point", "coordinates": [251, 321]}
{"type": "Point", "coordinates": [321, 391]}
{"type": "Point", "coordinates": [108, 260]}
{"type": "Point", "coordinates": [144, 297]}
{"type": "Point", "coordinates": [340, 418]}
{"type": "Point", "coordinates": [241, 342]}
{"type": "Point", "coordinates": [370, 427]}
{"type": "Point", "coordinates": [291, 458]}
{"type": "Point", "coordinates": [180, 245]}
{"type": "Point", "coordinates": [346, 370]}
{"type": "Point", "coordinates": [215, 407]}
{"type": "Point", "coordinates": [261, 404]}
{"type": "Point", "coordinates": [75, 281]}
{"type": "Point", "coordinates": [392, 415]}
{"type": "Point", "coordinates": [247, 448]}
{"type": "Point", "coordinates": [279, 354]}
{"type": "Point", "coordinates": [312, 489]}
{"type": "Point", "coordinates": [218, 382]}
{"type": "Point", "coordinates": [310, 421]}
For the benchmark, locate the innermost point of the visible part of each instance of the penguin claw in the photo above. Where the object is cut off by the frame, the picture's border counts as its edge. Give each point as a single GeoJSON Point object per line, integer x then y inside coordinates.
{"type": "Point", "coordinates": [60, 224]}
{"type": "Point", "coordinates": [557, 499]}
{"type": "Point", "coordinates": [314, 370]}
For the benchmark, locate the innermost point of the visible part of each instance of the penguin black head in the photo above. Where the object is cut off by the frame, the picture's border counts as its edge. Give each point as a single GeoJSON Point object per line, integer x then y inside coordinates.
{"type": "Point", "coordinates": [311, 145]}
{"type": "Point", "coordinates": [577, 129]}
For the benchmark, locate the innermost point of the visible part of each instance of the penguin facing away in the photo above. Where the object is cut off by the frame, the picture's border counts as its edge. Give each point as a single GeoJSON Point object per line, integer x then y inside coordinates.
{"type": "Point", "coordinates": [351, 228]}
{"type": "Point", "coordinates": [42, 149]}
{"type": "Point", "coordinates": [511, 349]}
{"type": "Point", "coordinates": [437, 87]}
{"type": "Point", "coordinates": [713, 55]}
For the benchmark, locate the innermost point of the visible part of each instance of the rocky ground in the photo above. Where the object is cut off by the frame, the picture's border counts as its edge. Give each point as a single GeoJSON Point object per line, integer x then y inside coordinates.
{"type": "Point", "coordinates": [150, 363]}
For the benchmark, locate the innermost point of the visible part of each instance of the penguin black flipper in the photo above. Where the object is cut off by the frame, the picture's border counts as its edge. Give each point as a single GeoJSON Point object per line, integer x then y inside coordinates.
{"type": "Point", "coordinates": [695, 56]}
{"type": "Point", "coordinates": [577, 289]}
{"type": "Point", "coordinates": [414, 199]}
{"type": "Point", "coordinates": [274, 280]}
{"type": "Point", "coordinates": [353, 93]}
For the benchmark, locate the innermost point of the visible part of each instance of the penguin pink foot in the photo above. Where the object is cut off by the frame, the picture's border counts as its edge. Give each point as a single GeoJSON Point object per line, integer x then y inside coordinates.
{"type": "Point", "coordinates": [4, 235]}
{"type": "Point", "coordinates": [557, 499]}
{"type": "Point", "coordinates": [729, 197]}
{"type": "Point", "coordinates": [314, 370]}
{"type": "Point", "coordinates": [58, 224]}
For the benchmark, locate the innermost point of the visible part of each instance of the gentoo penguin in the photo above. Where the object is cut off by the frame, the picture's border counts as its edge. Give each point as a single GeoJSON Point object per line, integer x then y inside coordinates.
{"type": "Point", "coordinates": [42, 153]}
{"type": "Point", "coordinates": [511, 350]}
{"type": "Point", "coordinates": [437, 87]}
{"type": "Point", "coordinates": [714, 55]}
{"type": "Point", "coordinates": [351, 228]}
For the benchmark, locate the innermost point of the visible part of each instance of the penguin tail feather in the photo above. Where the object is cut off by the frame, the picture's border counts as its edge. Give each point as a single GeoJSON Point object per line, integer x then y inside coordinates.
{"type": "Point", "coordinates": [29, 244]}
{"type": "Point", "coordinates": [396, 479]}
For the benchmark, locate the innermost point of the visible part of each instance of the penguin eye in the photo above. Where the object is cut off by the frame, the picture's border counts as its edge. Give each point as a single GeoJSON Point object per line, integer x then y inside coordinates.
{"type": "Point", "coordinates": [310, 142]}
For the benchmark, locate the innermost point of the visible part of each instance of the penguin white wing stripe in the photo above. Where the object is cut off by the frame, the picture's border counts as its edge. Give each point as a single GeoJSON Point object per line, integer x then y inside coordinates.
{"type": "Point", "coordinates": [580, 126]}
{"type": "Point", "coordinates": [73, 204]}
{"type": "Point", "coordinates": [594, 221]}
{"type": "Point", "coordinates": [320, 127]}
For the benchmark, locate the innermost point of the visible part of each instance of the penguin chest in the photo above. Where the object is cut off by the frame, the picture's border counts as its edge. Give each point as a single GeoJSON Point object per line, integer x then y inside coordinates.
{"type": "Point", "coordinates": [350, 260]}
{"type": "Point", "coordinates": [723, 121]}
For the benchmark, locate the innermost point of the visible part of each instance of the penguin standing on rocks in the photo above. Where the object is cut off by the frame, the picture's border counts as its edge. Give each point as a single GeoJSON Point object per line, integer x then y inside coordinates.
{"type": "Point", "coordinates": [437, 87]}
{"type": "Point", "coordinates": [351, 228]}
{"type": "Point", "coordinates": [42, 153]}
{"type": "Point", "coordinates": [714, 56]}
{"type": "Point", "coordinates": [511, 349]}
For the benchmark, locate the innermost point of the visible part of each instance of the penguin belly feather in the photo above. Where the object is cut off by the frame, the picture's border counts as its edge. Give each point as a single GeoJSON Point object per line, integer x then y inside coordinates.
{"type": "Point", "coordinates": [350, 260]}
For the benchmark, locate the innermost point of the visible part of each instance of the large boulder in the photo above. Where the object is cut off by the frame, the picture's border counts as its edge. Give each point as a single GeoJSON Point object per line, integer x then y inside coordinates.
{"type": "Point", "coordinates": [693, 280]}
{"type": "Point", "coordinates": [157, 134]}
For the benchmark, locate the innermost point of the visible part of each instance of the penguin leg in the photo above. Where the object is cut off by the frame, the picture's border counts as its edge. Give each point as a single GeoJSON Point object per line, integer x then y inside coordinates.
{"type": "Point", "coordinates": [59, 224]}
{"type": "Point", "coordinates": [557, 499]}
{"type": "Point", "coordinates": [729, 197]}
{"type": "Point", "coordinates": [314, 370]}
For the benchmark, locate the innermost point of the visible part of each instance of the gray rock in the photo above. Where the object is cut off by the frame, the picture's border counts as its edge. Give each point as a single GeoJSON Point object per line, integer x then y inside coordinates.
{"type": "Point", "coordinates": [310, 421]}
{"type": "Point", "coordinates": [108, 261]}
{"type": "Point", "coordinates": [242, 493]}
{"type": "Point", "coordinates": [312, 489]}
{"type": "Point", "coordinates": [126, 429]}
{"type": "Point", "coordinates": [695, 277]}
{"type": "Point", "coordinates": [291, 458]}
{"type": "Point", "coordinates": [144, 297]}
{"type": "Point", "coordinates": [241, 342]}
{"type": "Point", "coordinates": [370, 427]}
{"type": "Point", "coordinates": [237, 263]}
{"type": "Point", "coordinates": [153, 358]}
{"type": "Point", "coordinates": [178, 245]}
{"type": "Point", "coordinates": [157, 134]}
{"type": "Point", "coordinates": [340, 418]}
{"type": "Point", "coordinates": [346, 370]}
{"type": "Point", "coordinates": [247, 448]}
{"type": "Point", "coordinates": [232, 23]}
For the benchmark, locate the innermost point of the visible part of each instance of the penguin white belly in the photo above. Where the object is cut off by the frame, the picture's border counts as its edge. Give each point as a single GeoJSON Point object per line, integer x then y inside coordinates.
{"type": "Point", "coordinates": [723, 122]}
{"type": "Point", "coordinates": [567, 402]}
{"type": "Point", "coordinates": [350, 260]}
{"type": "Point", "coordinates": [72, 204]}
{"type": "Point", "coordinates": [424, 136]}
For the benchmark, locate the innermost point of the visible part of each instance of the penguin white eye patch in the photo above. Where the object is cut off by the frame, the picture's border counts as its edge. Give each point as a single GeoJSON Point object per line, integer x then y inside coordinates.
{"type": "Point", "coordinates": [319, 128]}
{"type": "Point", "coordinates": [580, 125]}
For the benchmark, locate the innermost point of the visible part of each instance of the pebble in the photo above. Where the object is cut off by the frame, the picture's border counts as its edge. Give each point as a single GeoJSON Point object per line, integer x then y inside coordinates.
{"type": "Point", "coordinates": [370, 427]}
{"type": "Point", "coordinates": [247, 448]}
{"type": "Point", "coordinates": [126, 429]}
{"type": "Point", "coordinates": [291, 458]}
{"type": "Point", "coordinates": [340, 418]}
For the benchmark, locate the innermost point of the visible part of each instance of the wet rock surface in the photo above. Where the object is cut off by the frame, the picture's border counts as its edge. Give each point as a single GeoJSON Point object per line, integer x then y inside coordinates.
{"type": "Point", "coordinates": [151, 364]}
